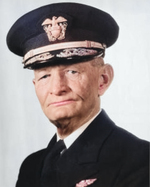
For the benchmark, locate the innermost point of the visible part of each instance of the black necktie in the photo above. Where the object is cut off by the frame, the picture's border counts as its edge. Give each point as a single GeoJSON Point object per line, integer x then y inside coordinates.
{"type": "Point", "coordinates": [50, 162]}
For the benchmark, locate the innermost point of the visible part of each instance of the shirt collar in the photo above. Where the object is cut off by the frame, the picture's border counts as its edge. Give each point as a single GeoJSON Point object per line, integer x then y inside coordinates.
{"type": "Point", "coordinates": [73, 136]}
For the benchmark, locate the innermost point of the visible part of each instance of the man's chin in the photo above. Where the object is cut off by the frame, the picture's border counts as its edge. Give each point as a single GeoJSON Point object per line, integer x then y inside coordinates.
{"type": "Point", "coordinates": [56, 119]}
{"type": "Point", "coordinates": [61, 113]}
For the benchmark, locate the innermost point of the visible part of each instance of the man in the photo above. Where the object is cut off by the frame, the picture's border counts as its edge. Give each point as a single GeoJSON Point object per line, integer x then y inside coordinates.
{"type": "Point", "coordinates": [65, 44]}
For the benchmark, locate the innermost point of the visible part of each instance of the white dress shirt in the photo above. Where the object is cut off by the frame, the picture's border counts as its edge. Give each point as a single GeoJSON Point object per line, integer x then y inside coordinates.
{"type": "Point", "coordinates": [73, 136]}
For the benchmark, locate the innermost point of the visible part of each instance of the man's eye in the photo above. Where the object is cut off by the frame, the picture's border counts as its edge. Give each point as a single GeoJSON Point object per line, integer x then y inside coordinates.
{"type": "Point", "coordinates": [44, 77]}
{"type": "Point", "coordinates": [72, 71]}
{"type": "Point", "coordinates": [72, 74]}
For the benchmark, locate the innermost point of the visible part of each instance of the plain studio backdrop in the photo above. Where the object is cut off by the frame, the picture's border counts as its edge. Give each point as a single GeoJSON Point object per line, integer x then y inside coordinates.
{"type": "Point", "coordinates": [23, 126]}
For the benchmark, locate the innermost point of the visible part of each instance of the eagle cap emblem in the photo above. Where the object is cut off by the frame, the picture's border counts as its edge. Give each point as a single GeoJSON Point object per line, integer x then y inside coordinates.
{"type": "Point", "coordinates": [55, 28]}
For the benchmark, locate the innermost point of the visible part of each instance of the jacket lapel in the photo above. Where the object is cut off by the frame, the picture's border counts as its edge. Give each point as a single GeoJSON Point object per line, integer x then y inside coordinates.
{"type": "Point", "coordinates": [41, 161]}
{"type": "Point", "coordinates": [94, 138]}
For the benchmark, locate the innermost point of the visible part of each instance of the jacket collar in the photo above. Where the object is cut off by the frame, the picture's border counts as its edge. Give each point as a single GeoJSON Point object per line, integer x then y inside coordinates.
{"type": "Point", "coordinates": [90, 142]}
{"type": "Point", "coordinates": [87, 146]}
{"type": "Point", "coordinates": [81, 159]}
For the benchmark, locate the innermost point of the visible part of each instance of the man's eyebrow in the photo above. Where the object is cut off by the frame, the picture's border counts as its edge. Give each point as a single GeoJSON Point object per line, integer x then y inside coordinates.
{"type": "Point", "coordinates": [40, 70]}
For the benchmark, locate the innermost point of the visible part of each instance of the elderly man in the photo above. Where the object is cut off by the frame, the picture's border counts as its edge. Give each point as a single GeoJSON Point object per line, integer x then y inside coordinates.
{"type": "Point", "coordinates": [65, 44]}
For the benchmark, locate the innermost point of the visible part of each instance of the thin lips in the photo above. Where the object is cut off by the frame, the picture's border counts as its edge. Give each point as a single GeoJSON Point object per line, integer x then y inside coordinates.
{"type": "Point", "coordinates": [61, 102]}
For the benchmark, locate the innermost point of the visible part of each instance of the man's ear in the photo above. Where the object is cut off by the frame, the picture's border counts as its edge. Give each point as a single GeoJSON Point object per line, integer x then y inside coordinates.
{"type": "Point", "coordinates": [33, 81]}
{"type": "Point", "coordinates": [106, 77]}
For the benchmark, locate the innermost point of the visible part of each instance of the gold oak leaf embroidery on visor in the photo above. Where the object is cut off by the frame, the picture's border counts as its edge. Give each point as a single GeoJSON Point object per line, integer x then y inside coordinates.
{"type": "Point", "coordinates": [55, 28]}
{"type": "Point", "coordinates": [40, 58]}
{"type": "Point", "coordinates": [63, 54]}
{"type": "Point", "coordinates": [76, 52]}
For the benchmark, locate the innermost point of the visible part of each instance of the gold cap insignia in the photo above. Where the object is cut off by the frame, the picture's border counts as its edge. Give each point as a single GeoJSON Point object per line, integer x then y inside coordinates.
{"type": "Point", "coordinates": [55, 28]}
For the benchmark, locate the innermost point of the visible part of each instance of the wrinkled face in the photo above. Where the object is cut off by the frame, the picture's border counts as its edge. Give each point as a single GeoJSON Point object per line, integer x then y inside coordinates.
{"type": "Point", "coordinates": [68, 91]}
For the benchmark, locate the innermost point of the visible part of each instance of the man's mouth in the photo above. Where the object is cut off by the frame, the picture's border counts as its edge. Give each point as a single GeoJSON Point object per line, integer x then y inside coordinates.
{"type": "Point", "coordinates": [61, 103]}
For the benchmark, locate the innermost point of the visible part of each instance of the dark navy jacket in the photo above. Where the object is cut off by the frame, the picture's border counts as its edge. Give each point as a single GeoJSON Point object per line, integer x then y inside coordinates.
{"type": "Point", "coordinates": [105, 152]}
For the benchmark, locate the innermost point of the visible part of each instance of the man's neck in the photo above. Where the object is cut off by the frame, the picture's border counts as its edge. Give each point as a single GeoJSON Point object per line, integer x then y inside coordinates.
{"type": "Point", "coordinates": [73, 136]}
{"type": "Point", "coordinates": [64, 131]}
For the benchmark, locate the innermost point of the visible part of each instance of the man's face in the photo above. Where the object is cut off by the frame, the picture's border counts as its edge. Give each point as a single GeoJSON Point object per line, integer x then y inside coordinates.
{"type": "Point", "coordinates": [68, 91]}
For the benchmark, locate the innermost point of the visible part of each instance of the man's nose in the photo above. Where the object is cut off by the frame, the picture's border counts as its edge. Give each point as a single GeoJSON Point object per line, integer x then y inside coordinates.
{"type": "Point", "coordinates": [58, 85]}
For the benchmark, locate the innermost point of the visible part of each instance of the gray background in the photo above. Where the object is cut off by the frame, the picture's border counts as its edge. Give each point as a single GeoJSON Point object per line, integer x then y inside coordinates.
{"type": "Point", "coordinates": [24, 128]}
